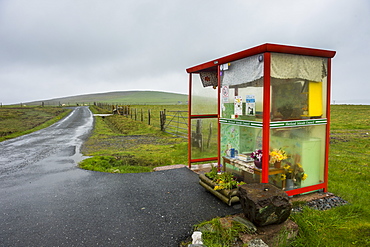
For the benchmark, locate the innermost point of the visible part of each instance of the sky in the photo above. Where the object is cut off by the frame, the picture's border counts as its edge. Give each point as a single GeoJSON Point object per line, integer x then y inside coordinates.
{"type": "Point", "coordinates": [51, 49]}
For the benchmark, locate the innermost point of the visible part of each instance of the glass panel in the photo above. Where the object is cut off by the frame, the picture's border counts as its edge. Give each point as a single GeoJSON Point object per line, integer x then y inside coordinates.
{"type": "Point", "coordinates": [242, 89]}
{"type": "Point", "coordinates": [204, 100]}
{"type": "Point", "coordinates": [305, 150]}
{"type": "Point", "coordinates": [243, 139]}
{"type": "Point", "coordinates": [242, 71]}
{"type": "Point", "coordinates": [241, 107]}
{"type": "Point", "coordinates": [298, 87]}
{"type": "Point", "coordinates": [203, 138]}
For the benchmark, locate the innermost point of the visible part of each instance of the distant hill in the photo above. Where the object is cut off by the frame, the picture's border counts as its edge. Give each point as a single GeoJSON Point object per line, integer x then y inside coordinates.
{"type": "Point", "coordinates": [120, 97]}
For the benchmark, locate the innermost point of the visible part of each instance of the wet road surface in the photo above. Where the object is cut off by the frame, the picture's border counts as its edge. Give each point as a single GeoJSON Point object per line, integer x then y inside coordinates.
{"type": "Point", "coordinates": [45, 200]}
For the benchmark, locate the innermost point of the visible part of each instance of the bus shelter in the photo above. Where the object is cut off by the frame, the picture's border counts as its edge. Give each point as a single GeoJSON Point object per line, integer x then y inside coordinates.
{"type": "Point", "coordinates": [269, 103]}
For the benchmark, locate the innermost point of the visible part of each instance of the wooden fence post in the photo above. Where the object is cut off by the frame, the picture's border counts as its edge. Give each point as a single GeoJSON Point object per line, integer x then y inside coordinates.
{"type": "Point", "coordinates": [162, 119]}
{"type": "Point", "coordinates": [209, 135]}
{"type": "Point", "coordinates": [142, 117]}
{"type": "Point", "coordinates": [148, 116]}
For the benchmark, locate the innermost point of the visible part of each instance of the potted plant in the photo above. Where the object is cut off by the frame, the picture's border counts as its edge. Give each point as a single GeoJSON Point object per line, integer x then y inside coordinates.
{"type": "Point", "coordinates": [221, 184]}
{"type": "Point", "coordinates": [276, 156]}
{"type": "Point", "coordinates": [257, 156]}
{"type": "Point", "coordinates": [293, 175]}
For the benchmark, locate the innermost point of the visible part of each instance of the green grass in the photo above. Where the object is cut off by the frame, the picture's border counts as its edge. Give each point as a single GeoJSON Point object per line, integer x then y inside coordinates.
{"type": "Point", "coordinates": [216, 234]}
{"type": "Point", "coordinates": [349, 118]}
{"type": "Point", "coordinates": [133, 144]}
{"type": "Point", "coordinates": [115, 164]}
{"type": "Point", "coordinates": [17, 121]}
{"type": "Point", "coordinates": [349, 178]}
{"type": "Point", "coordinates": [120, 97]}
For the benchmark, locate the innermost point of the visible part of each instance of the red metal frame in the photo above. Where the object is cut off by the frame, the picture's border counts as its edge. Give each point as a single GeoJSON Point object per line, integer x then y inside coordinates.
{"type": "Point", "coordinates": [266, 116]}
{"type": "Point", "coordinates": [305, 189]}
{"type": "Point", "coordinates": [261, 49]}
{"type": "Point", "coordinates": [328, 100]}
{"type": "Point", "coordinates": [266, 50]}
{"type": "Point", "coordinates": [204, 159]}
{"type": "Point", "coordinates": [189, 119]}
{"type": "Point", "coordinates": [204, 116]}
{"type": "Point", "coordinates": [218, 116]}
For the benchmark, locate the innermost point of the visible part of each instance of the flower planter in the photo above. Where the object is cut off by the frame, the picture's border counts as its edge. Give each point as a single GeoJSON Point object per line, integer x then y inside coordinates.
{"type": "Point", "coordinates": [289, 184]}
{"type": "Point", "coordinates": [227, 196]}
{"type": "Point", "coordinates": [258, 164]}
{"type": "Point", "coordinates": [277, 164]}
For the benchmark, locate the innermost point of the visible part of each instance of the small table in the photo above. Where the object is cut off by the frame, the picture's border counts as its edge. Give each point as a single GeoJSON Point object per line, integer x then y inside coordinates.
{"type": "Point", "coordinates": [248, 166]}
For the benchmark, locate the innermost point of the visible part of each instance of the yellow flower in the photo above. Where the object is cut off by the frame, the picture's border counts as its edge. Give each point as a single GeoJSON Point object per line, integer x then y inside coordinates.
{"type": "Point", "coordinates": [283, 177]}
{"type": "Point", "coordinates": [299, 165]}
{"type": "Point", "coordinates": [286, 166]}
{"type": "Point", "coordinates": [219, 187]}
{"type": "Point", "coordinates": [304, 176]}
{"type": "Point", "coordinates": [277, 155]}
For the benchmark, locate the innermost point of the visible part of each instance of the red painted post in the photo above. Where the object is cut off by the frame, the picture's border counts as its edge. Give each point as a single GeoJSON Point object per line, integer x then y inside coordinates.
{"type": "Point", "coordinates": [218, 118]}
{"type": "Point", "coordinates": [189, 119]}
{"type": "Point", "coordinates": [266, 117]}
{"type": "Point", "coordinates": [327, 141]}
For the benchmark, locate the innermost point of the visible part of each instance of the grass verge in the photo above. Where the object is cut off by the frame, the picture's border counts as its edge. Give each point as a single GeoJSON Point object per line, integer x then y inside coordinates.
{"type": "Point", "coordinates": [130, 146]}
{"type": "Point", "coordinates": [17, 121]}
{"type": "Point", "coordinates": [217, 234]}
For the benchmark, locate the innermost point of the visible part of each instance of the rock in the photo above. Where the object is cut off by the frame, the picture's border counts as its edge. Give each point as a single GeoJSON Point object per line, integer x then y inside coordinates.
{"type": "Point", "coordinates": [197, 237]}
{"type": "Point", "coordinates": [280, 234]}
{"type": "Point", "coordinates": [274, 235]}
{"type": "Point", "coordinates": [326, 203]}
{"type": "Point", "coordinates": [264, 204]}
{"type": "Point", "coordinates": [257, 242]}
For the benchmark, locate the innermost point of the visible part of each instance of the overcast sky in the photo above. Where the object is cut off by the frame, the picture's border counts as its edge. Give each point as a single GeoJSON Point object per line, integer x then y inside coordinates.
{"type": "Point", "coordinates": [60, 48]}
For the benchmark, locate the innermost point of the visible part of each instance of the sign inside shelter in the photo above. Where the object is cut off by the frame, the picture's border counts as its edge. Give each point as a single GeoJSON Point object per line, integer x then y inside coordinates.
{"type": "Point", "coordinates": [238, 105]}
{"type": "Point", "coordinates": [250, 105]}
{"type": "Point", "coordinates": [225, 94]}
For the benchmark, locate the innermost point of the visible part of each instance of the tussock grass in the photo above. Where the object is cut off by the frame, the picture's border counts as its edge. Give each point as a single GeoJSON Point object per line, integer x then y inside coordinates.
{"type": "Point", "coordinates": [216, 234]}
{"type": "Point", "coordinates": [17, 121]}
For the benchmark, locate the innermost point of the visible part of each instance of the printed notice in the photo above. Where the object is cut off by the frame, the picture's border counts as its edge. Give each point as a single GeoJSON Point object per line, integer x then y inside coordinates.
{"type": "Point", "coordinates": [225, 94]}
{"type": "Point", "coordinates": [238, 105]}
{"type": "Point", "coordinates": [250, 105]}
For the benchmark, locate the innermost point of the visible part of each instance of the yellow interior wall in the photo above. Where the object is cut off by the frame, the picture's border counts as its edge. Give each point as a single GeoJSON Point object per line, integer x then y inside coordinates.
{"type": "Point", "coordinates": [315, 99]}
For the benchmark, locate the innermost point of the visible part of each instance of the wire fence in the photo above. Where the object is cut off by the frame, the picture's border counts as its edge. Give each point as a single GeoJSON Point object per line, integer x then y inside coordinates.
{"type": "Point", "coordinates": [173, 120]}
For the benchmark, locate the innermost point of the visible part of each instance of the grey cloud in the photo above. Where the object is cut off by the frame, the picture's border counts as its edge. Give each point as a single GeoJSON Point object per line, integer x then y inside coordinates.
{"type": "Point", "coordinates": [68, 47]}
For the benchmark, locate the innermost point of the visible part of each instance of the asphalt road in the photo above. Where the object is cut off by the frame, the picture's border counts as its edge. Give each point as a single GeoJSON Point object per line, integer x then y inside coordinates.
{"type": "Point", "coordinates": [46, 200]}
